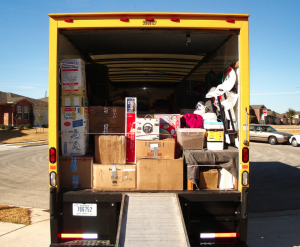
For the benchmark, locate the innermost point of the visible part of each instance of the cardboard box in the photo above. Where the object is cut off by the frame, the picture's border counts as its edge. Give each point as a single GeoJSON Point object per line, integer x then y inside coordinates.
{"type": "Point", "coordinates": [114, 177]}
{"type": "Point", "coordinates": [75, 172]}
{"type": "Point", "coordinates": [107, 119]}
{"type": "Point", "coordinates": [73, 79]}
{"type": "Point", "coordinates": [74, 144]}
{"type": "Point", "coordinates": [147, 129]}
{"type": "Point", "coordinates": [74, 101]}
{"type": "Point", "coordinates": [209, 179]}
{"type": "Point", "coordinates": [74, 130]}
{"type": "Point", "coordinates": [110, 149]}
{"type": "Point", "coordinates": [160, 174]}
{"type": "Point", "coordinates": [163, 149]}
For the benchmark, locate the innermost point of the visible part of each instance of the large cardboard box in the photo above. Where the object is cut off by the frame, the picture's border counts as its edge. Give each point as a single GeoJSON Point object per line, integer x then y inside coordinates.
{"type": "Point", "coordinates": [110, 149]}
{"type": "Point", "coordinates": [114, 177]}
{"type": "Point", "coordinates": [209, 179]}
{"type": "Point", "coordinates": [163, 149]}
{"type": "Point", "coordinates": [74, 131]}
{"type": "Point", "coordinates": [73, 79]}
{"type": "Point", "coordinates": [74, 144]}
{"type": "Point", "coordinates": [160, 174]}
{"type": "Point", "coordinates": [75, 172]}
{"type": "Point", "coordinates": [107, 119]}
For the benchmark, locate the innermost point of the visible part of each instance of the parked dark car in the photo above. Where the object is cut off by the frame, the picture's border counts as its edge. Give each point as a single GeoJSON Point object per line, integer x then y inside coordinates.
{"type": "Point", "coordinates": [262, 132]}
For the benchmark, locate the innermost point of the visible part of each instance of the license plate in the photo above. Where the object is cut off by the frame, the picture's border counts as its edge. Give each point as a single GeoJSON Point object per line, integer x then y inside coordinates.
{"type": "Point", "coordinates": [84, 209]}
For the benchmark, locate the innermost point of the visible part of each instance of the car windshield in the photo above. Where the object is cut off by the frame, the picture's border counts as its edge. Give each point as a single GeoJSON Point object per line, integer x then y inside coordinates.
{"type": "Point", "coordinates": [266, 129]}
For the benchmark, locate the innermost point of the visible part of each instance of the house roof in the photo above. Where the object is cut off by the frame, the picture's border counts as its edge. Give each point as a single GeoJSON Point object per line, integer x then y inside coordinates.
{"type": "Point", "coordinates": [257, 106]}
{"type": "Point", "coordinates": [11, 98]}
{"type": "Point", "coordinates": [270, 113]}
{"type": "Point", "coordinates": [44, 99]}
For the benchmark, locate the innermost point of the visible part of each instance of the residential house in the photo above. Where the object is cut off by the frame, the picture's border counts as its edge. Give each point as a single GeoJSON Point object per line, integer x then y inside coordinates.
{"type": "Point", "coordinates": [296, 118]}
{"type": "Point", "coordinates": [256, 112]}
{"type": "Point", "coordinates": [20, 110]}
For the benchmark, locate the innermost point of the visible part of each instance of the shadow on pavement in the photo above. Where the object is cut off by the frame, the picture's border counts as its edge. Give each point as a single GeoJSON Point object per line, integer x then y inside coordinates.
{"type": "Point", "coordinates": [274, 186]}
{"type": "Point", "coordinates": [9, 134]}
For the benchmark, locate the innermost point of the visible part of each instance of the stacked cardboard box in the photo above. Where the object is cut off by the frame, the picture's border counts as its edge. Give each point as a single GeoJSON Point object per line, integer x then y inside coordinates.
{"type": "Point", "coordinates": [74, 108]}
{"type": "Point", "coordinates": [76, 172]}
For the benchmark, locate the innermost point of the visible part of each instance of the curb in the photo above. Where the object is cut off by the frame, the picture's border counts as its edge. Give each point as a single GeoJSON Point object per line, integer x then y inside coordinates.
{"type": "Point", "coordinates": [18, 143]}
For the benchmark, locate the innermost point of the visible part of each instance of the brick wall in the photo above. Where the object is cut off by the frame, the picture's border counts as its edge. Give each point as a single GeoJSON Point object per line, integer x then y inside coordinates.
{"type": "Point", "coordinates": [24, 121]}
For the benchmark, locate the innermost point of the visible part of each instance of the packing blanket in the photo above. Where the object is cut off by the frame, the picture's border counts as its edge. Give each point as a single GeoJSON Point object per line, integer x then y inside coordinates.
{"type": "Point", "coordinates": [227, 159]}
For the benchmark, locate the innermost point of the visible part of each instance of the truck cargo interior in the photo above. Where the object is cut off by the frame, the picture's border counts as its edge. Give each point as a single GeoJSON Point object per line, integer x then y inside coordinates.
{"type": "Point", "coordinates": [168, 71]}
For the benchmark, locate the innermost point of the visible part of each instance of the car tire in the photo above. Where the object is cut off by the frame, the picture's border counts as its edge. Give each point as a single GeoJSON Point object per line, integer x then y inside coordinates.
{"type": "Point", "coordinates": [272, 140]}
{"type": "Point", "coordinates": [294, 143]}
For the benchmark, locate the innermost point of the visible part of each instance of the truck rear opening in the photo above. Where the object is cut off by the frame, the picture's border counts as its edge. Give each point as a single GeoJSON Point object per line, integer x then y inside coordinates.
{"type": "Point", "coordinates": [168, 63]}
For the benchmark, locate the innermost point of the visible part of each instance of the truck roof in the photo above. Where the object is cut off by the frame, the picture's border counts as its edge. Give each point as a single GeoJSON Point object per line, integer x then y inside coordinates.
{"type": "Point", "coordinates": [57, 15]}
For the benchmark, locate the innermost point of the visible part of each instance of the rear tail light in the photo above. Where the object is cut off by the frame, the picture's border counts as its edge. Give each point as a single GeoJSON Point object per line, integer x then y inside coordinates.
{"type": "Point", "coordinates": [219, 235]}
{"type": "Point", "coordinates": [245, 178]}
{"type": "Point", "coordinates": [53, 179]}
{"type": "Point", "coordinates": [79, 235]}
{"type": "Point", "coordinates": [52, 155]}
{"type": "Point", "coordinates": [245, 154]}
{"type": "Point", "coordinates": [68, 20]}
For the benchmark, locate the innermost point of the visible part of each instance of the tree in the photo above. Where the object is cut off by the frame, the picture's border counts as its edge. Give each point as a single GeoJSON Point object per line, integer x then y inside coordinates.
{"type": "Point", "coordinates": [16, 118]}
{"type": "Point", "coordinates": [40, 113]}
{"type": "Point", "coordinates": [290, 114]}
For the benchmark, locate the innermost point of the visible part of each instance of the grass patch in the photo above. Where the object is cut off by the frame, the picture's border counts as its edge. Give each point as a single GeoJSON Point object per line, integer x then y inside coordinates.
{"type": "Point", "coordinates": [292, 129]}
{"type": "Point", "coordinates": [26, 135]}
{"type": "Point", "coordinates": [14, 215]}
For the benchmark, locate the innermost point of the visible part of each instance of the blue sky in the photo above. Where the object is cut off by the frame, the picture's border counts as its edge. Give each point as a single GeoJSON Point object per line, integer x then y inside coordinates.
{"type": "Point", "coordinates": [274, 42]}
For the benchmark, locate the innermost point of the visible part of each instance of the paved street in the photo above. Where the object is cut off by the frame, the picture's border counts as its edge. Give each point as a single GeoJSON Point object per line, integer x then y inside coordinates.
{"type": "Point", "coordinates": [274, 208]}
{"type": "Point", "coordinates": [24, 177]}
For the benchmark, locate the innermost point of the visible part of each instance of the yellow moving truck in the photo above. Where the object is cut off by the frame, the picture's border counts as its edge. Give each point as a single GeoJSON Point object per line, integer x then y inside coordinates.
{"type": "Point", "coordinates": [167, 61]}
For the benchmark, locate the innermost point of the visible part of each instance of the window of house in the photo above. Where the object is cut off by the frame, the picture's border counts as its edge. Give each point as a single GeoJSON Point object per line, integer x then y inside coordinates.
{"type": "Point", "coordinates": [19, 112]}
{"type": "Point", "coordinates": [26, 112]}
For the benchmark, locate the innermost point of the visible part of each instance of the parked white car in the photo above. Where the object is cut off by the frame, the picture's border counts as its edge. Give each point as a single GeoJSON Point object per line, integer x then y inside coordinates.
{"type": "Point", "coordinates": [295, 140]}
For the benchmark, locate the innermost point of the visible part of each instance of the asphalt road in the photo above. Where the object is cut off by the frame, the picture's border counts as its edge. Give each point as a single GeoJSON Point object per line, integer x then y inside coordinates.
{"type": "Point", "coordinates": [274, 177]}
{"type": "Point", "coordinates": [24, 177]}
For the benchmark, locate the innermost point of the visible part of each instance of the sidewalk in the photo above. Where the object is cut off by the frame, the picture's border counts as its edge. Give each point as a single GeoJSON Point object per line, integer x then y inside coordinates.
{"type": "Point", "coordinates": [35, 235]}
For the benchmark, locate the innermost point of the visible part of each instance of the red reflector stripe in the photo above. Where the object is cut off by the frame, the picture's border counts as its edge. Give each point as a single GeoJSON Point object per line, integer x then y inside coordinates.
{"type": "Point", "coordinates": [225, 235]}
{"type": "Point", "coordinates": [79, 235]}
{"type": "Point", "coordinates": [52, 167]}
{"type": "Point", "coordinates": [218, 235]}
{"type": "Point", "coordinates": [245, 166]}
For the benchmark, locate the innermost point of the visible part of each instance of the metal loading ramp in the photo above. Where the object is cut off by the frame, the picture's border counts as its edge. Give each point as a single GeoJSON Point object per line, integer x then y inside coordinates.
{"type": "Point", "coordinates": [148, 219]}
